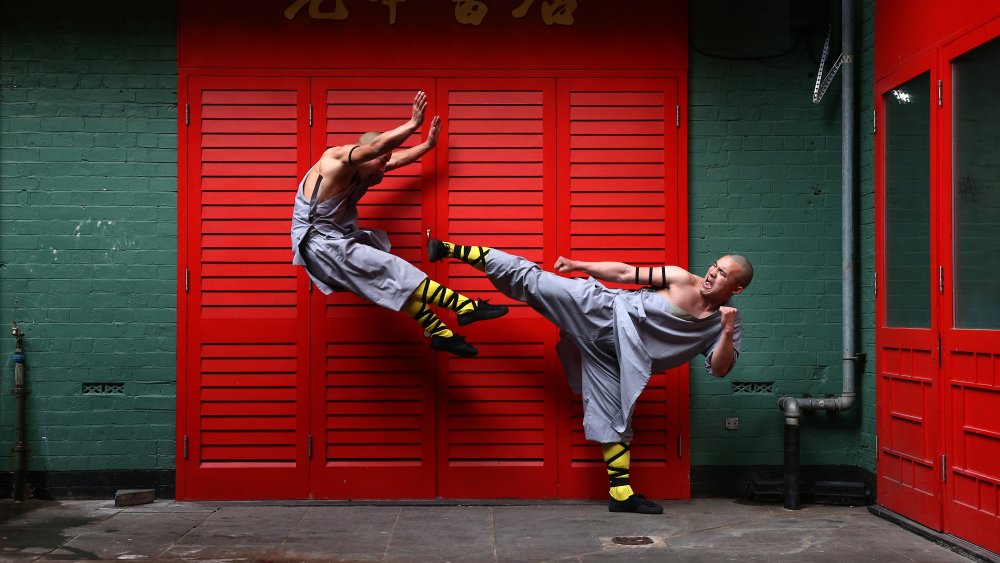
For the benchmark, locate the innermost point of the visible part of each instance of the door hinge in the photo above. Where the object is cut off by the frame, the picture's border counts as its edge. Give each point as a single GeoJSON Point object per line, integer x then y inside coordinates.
{"type": "Point", "coordinates": [874, 122]}
{"type": "Point", "coordinates": [187, 280]}
{"type": "Point", "coordinates": [940, 95]}
{"type": "Point", "coordinates": [309, 446]}
{"type": "Point", "coordinates": [876, 284]}
{"type": "Point", "coordinates": [940, 279]}
{"type": "Point", "coordinates": [187, 115]}
{"type": "Point", "coordinates": [944, 466]}
{"type": "Point", "coordinates": [678, 115]}
{"type": "Point", "coordinates": [310, 114]}
{"type": "Point", "coordinates": [876, 446]}
{"type": "Point", "coordinates": [185, 446]}
{"type": "Point", "coordinates": [680, 446]}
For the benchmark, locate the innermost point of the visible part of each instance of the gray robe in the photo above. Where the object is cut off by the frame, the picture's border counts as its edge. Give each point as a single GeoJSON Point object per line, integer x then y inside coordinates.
{"type": "Point", "coordinates": [611, 340]}
{"type": "Point", "coordinates": [340, 256]}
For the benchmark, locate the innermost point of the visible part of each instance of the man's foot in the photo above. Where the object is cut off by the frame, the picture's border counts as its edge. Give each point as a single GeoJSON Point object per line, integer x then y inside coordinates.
{"type": "Point", "coordinates": [635, 503]}
{"type": "Point", "coordinates": [454, 344]}
{"type": "Point", "coordinates": [436, 250]}
{"type": "Point", "coordinates": [483, 311]}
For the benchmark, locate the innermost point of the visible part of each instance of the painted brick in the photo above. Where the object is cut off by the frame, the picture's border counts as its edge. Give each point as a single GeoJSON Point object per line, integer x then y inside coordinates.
{"type": "Point", "coordinates": [75, 232]}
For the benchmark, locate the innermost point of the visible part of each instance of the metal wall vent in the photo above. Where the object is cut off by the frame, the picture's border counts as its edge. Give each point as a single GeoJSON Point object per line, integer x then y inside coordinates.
{"type": "Point", "coordinates": [103, 388]}
{"type": "Point", "coordinates": [747, 387]}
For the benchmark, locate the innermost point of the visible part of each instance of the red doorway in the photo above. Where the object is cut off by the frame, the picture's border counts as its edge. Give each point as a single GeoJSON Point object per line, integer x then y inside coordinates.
{"type": "Point", "coordinates": [938, 315]}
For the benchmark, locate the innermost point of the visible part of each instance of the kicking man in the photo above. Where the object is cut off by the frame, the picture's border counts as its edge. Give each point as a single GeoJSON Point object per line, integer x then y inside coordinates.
{"type": "Point", "coordinates": [612, 340]}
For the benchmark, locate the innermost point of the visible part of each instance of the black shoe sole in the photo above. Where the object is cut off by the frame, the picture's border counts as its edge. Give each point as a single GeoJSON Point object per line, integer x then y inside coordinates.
{"type": "Point", "coordinates": [480, 314]}
{"type": "Point", "coordinates": [436, 250]}
{"type": "Point", "coordinates": [460, 348]}
{"type": "Point", "coordinates": [638, 506]}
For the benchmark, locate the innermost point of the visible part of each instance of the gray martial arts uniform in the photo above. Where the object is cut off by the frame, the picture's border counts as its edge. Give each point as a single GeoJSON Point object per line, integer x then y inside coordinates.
{"type": "Point", "coordinates": [611, 340]}
{"type": "Point", "coordinates": [339, 256]}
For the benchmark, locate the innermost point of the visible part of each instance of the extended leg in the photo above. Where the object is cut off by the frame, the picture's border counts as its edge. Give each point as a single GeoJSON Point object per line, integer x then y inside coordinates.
{"type": "Point", "coordinates": [474, 256]}
{"type": "Point", "coordinates": [623, 499]}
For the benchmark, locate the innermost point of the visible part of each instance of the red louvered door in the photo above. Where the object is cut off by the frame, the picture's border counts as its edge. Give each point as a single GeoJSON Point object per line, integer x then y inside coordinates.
{"type": "Point", "coordinates": [618, 200]}
{"type": "Point", "coordinates": [373, 375]}
{"type": "Point", "coordinates": [246, 327]}
{"type": "Point", "coordinates": [496, 187]}
{"type": "Point", "coordinates": [288, 393]}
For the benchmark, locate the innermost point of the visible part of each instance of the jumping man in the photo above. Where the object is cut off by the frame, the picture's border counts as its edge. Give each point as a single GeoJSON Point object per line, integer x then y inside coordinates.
{"type": "Point", "coordinates": [340, 256]}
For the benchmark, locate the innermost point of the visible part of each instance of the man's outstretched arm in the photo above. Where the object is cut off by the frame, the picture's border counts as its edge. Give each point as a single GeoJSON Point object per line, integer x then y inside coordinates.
{"type": "Point", "coordinates": [620, 272]}
{"type": "Point", "coordinates": [387, 141]}
{"type": "Point", "coordinates": [408, 156]}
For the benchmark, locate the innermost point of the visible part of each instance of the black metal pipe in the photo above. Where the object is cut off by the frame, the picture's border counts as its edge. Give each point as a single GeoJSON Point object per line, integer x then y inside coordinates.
{"type": "Point", "coordinates": [791, 495]}
{"type": "Point", "coordinates": [20, 448]}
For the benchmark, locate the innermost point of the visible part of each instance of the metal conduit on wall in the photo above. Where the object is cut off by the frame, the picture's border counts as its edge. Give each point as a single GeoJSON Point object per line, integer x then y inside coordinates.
{"type": "Point", "coordinates": [793, 407]}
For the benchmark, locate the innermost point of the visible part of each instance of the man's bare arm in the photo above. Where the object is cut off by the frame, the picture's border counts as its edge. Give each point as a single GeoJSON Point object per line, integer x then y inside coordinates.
{"type": "Point", "coordinates": [408, 156]}
{"type": "Point", "coordinates": [386, 141]}
{"type": "Point", "coordinates": [724, 356]}
{"type": "Point", "coordinates": [620, 272]}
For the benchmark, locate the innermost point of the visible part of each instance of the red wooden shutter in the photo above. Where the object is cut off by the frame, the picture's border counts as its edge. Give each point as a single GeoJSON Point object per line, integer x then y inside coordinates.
{"type": "Point", "coordinates": [373, 373]}
{"type": "Point", "coordinates": [244, 382]}
{"type": "Point", "coordinates": [618, 183]}
{"type": "Point", "coordinates": [497, 411]}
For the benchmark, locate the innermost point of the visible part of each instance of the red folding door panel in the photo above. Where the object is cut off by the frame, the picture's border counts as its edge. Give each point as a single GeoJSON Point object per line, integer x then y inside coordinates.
{"type": "Point", "coordinates": [971, 331]}
{"type": "Point", "coordinates": [618, 200]}
{"type": "Point", "coordinates": [242, 388]}
{"type": "Point", "coordinates": [908, 384]}
{"type": "Point", "coordinates": [373, 374]}
{"type": "Point", "coordinates": [496, 187]}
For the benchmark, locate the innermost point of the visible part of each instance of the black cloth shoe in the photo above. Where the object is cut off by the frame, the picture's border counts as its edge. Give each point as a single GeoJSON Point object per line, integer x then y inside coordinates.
{"type": "Point", "coordinates": [454, 344]}
{"type": "Point", "coordinates": [483, 311]}
{"type": "Point", "coordinates": [635, 503]}
{"type": "Point", "coordinates": [436, 250]}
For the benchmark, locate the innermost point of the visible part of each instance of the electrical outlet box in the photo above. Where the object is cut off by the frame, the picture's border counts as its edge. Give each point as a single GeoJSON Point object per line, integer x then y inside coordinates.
{"type": "Point", "coordinates": [732, 424]}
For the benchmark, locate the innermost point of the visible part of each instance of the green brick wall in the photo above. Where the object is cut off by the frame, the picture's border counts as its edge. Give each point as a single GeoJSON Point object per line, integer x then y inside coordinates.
{"type": "Point", "coordinates": [88, 238]}
{"type": "Point", "coordinates": [765, 181]}
{"type": "Point", "coordinates": [88, 230]}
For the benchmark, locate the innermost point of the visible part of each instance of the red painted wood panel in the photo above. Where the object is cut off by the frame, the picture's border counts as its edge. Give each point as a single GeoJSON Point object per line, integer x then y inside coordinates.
{"type": "Point", "coordinates": [374, 409]}
{"type": "Point", "coordinates": [387, 417]}
{"type": "Point", "coordinates": [324, 34]}
{"type": "Point", "coordinates": [496, 433]}
{"type": "Point", "coordinates": [971, 358]}
{"type": "Point", "coordinates": [245, 423]}
{"type": "Point", "coordinates": [618, 187]}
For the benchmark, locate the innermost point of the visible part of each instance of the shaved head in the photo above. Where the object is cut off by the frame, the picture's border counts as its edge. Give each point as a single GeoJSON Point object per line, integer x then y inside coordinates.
{"type": "Point", "coordinates": [746, 269]}
{"type": "Point", "coordinates": [368, 137]}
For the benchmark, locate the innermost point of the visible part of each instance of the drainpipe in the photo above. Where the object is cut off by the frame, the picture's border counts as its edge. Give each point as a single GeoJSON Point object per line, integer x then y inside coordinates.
{"type": "Point", "coordinates": [20, 448]}
{"type": "Point", "coordinates": [792, 406]}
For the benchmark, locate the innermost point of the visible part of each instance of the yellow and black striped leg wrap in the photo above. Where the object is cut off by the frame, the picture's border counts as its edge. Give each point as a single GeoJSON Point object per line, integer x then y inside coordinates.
{"type": "Point", "coordinates": [617, 457]}
{"type": "Point", "coordinates": [427, 319]}
{"type": "Point", "coordinates": [431, 292]}
{"type": "Point", "coordinates": [474, 256]}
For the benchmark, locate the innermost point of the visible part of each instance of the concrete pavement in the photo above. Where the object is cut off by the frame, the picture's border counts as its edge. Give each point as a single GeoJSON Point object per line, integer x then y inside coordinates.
{"type": "Point", "coordinates": [703, 530]}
